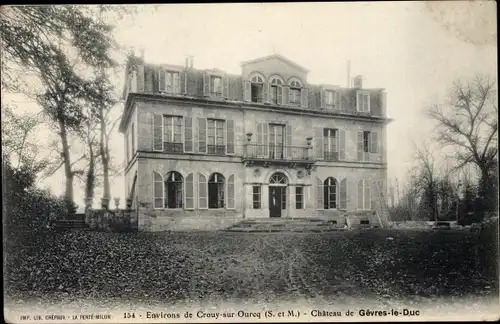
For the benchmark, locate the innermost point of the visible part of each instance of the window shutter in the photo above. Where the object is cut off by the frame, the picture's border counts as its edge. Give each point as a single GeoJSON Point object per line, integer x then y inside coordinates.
{"type": "Point", "coordinates": [280, 95]}
{"type": "Point", "coordinates": [158, 199]}
{"type": "Point", "coordinates": [318, 142]}
{"type": "Point", "coordinates": [183, 83]}
{"type": "Point", "coordinates": [202, 192]}
{"type": "Point", "coordinates": [374, 142]}
{"type": "Point", "coordinates": [265, 139]}
{"type": "Point", "coordinates": [225, 87]}
{"type": "Point", "coordinates": [360, 146]}
{"type": "Point", "coordinates": [342, 144]}
{"type": "Point", "coordinates": [230, 192]}
{"type": "Point", "coordinates": [206, 84]}
{"type": "Point", "coordinates": [202, 135]}
{"type": "Point", "coordinates": [360, 194]}
{"type": "Point", "coordinates": [319, 194]}
{"type": "Point", "coordinates": [189, 192]}
{"type": "Point", "coordinates": [161, 80]}
{"type": "Point", "coordinates": [260, 149]}
{"type": "Point", "coordinates": [188, 134]}
{"type": "Point", "coordinates": [338, 100]}
{"type": "Point", "coordinates": [266, 93]}
{"type": "Point", "coordinates": [322, 98]}
{"type": "Point", "coordinates": [343, 194]}
{"type": "Point", "coordinates": [157, 132]}
{"type": "Point", "coordinates": [366, 195]}
{"type": "Point", "coordinates": [230, 136]}
{"type": "Point", "coordinates": [247, 90]}
{"type": "Point", "coordinates": [305, 97]}
{"type": "Point", "coordinates": [288, 134]}
{"type": "Point", "coordinates": [286, 90]}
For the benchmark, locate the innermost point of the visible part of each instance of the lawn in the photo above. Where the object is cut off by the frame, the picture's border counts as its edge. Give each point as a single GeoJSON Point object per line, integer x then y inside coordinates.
{"type": "Point", "coordinates": [160, 268]}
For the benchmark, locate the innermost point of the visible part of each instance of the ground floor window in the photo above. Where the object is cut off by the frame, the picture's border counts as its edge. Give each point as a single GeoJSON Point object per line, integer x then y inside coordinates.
{"type": "Point", "coordinates": [173, 190]}
{"type": "Point", "coordinates": [216, 191]}
{"type": "Point", "coordinates": [257, 197]}
{"type": "Point", "coordinates": [299, 197]}
{"type": "Point", "coordinates": [330, 193]}
{"type": "Point", "coordinates": [364, 194]}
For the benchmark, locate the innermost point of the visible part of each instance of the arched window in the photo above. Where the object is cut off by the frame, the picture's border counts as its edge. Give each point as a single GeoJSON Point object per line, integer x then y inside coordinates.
{"type": "Point", "coordinates": [278, 179]}
{"type": "Point", "coordinates": [216, 191]}
{"type": "Point", "coordinates": [257, 88]}
{"type": "Point", "coordinates": [173, 190]}
{"type": "Point", "coordinates": [295, 92]}
{"type": "Point", "coordinates": [158, 197]}
{"type": "Point", "coordinates": [276, 90]}
{"type": "Point", "coordinates": [364, 194]}
{"type": "Point", "coordinates": [330, 193]}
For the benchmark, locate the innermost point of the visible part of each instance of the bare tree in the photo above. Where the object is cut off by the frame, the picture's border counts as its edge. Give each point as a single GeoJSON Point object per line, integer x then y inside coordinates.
{"type": "Point", "coordinates": [469, 124]}
{"type": "Point", "coordinates": [427, 178]}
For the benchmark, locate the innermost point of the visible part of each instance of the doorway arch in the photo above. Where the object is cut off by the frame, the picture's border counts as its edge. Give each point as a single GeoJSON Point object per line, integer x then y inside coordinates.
{"type": "Point", "coordinates": [278, 183]}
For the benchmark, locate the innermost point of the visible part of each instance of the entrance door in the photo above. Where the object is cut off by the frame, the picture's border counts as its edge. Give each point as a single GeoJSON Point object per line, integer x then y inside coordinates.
{"type": "Point", "coordinates": [277, 200]}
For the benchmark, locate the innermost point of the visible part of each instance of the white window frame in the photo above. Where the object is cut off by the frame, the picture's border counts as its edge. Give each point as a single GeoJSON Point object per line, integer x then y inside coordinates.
{"type": "Point", "coordinates": [212, 85]}
{"type": "Point", "coordinates": [328, 104]}
{"type": "Point", "coordinates": [365, 184]}
{"type": "Point", "coordinates": [295, 84]}
{"type": "Point", "coordinates": [278, 82]}
{"type": "Point", "coordinates": [303, 195]}
{"type": "Point", "coordinates": [359, 107]}
{"type": "Point", "coordinates": [331, 140]}
{"type": "Point", "coordinates": [172, 135]}
{"type": "Point", "coordinates": [224, 133]}
{"type": "Point", "coordinates": [174, 88]}
{"type": "Point", "coordinates": [336, 183]}
{"type": "Point", "coordinates": [259, 195]}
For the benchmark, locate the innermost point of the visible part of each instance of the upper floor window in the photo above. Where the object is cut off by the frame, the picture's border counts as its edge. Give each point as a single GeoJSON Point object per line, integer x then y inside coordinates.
{"type": "Point", "coordinates": [330, 138]}
{"type": "Point", "coordinates": [257, 88]}
{"type": "Point", "coordinates": [169, 81]}
{"type": "Point", "coordinates": [295, 93]}
{"type": "Point", "coordinates": [216, 86]}
{"type": "Point", "coordinates": [276, 91]}
{"type": "Point", "coordinates": [332, 99]}
{"type": "Point", "coordinates": [215, 137]}
{"type": "Point", "coordinates": [172, 134]}
{"type": "Point", "coordinates": [363, 101]}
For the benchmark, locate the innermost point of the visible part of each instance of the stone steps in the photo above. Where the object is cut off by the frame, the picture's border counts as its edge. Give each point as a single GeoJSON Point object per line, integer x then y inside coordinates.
{"type": "Point", "coordinates": [286, 225]}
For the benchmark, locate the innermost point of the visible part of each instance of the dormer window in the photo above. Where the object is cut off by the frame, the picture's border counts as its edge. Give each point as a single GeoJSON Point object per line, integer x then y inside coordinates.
{"type": "Point", "coordinates": [363, 101]}
{"type": "Point", "coordinates": [276, 91]}
{"type": "Point", "coordinates": [295, 93]}
{"type": "Point", "coordinates": [169, 81]}
{"type": "Point", "coordinates": [216, 86]}
{"type": "Point", "coordinates": [257, 89]}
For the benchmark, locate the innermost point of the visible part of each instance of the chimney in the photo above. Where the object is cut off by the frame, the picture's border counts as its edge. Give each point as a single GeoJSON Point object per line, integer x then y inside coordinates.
{"type": "Point", "coordinates": [142, 54]}
{"type": "Point", "coordinates": [191, 61]}
{"type": "Point", "coordinates": [358, 82]}
{"type": "Point", "coordinates": [186, 62]}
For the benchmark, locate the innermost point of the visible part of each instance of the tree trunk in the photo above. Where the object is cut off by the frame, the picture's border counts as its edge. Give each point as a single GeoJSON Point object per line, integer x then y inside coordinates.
{"type": "Point", "coordinates": [90, 180]}
{"type": "Point", "coordinates": [105, 158]}
{"type": "Point", "coordinates": [68, 173]}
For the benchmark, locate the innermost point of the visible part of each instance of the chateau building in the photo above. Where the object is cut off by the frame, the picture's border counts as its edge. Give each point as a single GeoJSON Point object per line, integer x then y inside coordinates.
{"type": "Point", "coordinates": [206, 149]}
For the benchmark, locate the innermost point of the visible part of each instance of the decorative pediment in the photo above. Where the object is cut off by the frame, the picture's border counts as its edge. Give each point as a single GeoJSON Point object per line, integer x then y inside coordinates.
{"type": "Point", "coordinates": [277, 59]}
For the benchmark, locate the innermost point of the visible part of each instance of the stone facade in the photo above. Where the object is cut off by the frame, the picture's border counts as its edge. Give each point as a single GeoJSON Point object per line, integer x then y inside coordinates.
{"type": "Point", "coordinates": [253, 135]}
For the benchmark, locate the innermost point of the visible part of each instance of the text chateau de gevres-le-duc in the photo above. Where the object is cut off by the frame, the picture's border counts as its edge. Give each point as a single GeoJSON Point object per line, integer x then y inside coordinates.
{"type": "Point", "coordinates": [206, 149]}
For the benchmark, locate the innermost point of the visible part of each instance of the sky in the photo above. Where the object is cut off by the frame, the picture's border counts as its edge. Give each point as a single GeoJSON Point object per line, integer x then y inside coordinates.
{"type": "Point", "coordinates": [414, 50]}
